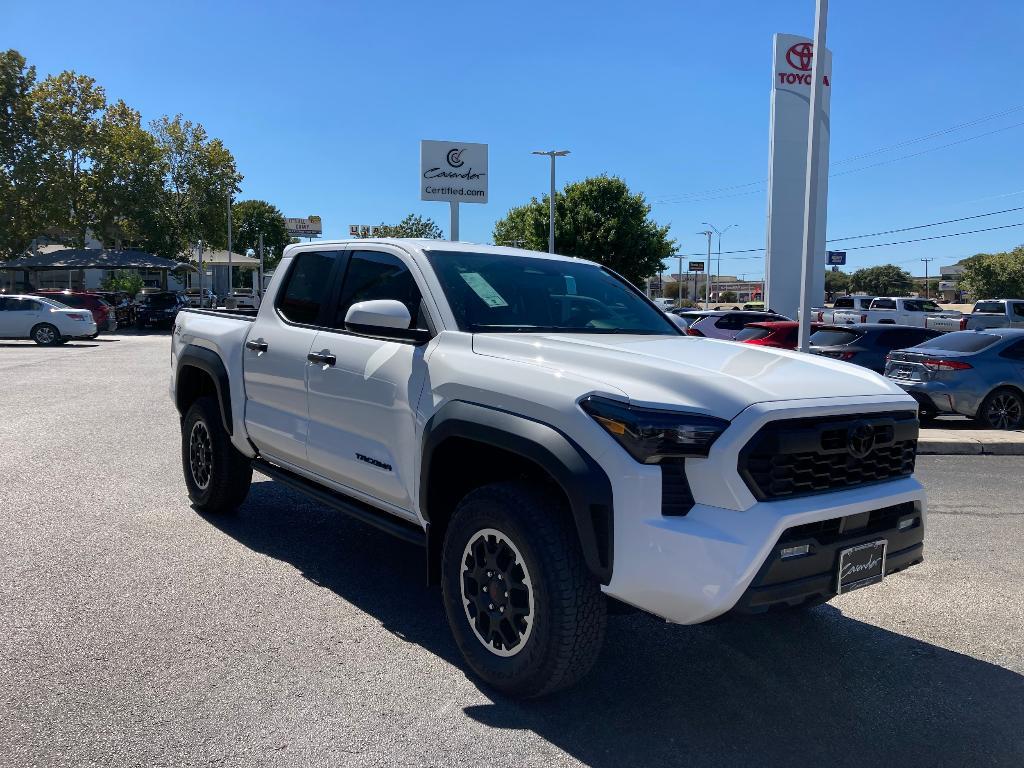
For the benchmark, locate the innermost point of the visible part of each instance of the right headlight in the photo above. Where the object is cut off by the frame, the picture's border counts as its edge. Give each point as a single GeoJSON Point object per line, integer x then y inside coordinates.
{"type": "Point", "coordinates": [650, 435]}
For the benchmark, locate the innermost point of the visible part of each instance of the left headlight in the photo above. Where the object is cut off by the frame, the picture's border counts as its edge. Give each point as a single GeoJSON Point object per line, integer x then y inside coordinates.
{"type": "Point", "coordinates": [651, 435]}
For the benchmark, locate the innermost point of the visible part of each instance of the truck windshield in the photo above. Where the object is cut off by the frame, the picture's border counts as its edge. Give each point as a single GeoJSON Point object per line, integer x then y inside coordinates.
{"type": "Point", "coordinates": [500, 293]}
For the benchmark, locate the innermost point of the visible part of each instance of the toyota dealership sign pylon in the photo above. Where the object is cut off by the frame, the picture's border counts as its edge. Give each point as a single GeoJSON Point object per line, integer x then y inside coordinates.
{"type": "Point", "coordinates": [787, 170]}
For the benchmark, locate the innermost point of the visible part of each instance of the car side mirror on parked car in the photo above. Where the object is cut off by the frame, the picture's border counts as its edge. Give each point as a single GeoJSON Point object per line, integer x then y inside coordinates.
{"type": "Point", "coordinates": [385, 318]}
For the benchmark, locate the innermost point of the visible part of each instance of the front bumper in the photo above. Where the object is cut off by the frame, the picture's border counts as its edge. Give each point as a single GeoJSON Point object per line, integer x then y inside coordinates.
{"type": "Point", "coordinates": [693, 568]}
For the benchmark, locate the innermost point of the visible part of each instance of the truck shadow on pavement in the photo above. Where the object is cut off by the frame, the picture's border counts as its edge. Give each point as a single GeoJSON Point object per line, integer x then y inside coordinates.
{"type": "Point", "coordinates": [814, 688]}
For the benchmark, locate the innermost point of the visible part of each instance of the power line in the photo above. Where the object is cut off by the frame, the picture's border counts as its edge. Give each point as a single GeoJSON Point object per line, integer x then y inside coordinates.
{"type": "Point", "coordinates": [702, 195]}
{"type": "Point", "coordinates": [925, 226]}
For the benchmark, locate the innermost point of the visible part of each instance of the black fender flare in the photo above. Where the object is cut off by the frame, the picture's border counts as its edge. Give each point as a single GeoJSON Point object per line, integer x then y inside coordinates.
{"type": "Point", "coordinates": [209, 362]}
{"type": "Point", "coordinates": [584, 482]}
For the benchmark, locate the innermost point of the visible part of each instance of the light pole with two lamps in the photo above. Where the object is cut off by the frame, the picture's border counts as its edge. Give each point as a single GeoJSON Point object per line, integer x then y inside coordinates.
{"type": "Point", "coordinates": [719, 232]}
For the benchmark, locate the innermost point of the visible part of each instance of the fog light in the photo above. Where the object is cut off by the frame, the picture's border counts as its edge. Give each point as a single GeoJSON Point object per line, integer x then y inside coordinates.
{"type": "Point", "coordinates": [789, 552]}
{"type": "Point", "coordinates": [907, 522]}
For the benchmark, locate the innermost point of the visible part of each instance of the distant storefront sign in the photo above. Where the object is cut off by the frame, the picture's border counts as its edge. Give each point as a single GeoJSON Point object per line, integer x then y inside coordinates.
{"type": "Point", "coordinates": [310, 226]}
{"type": "Point", "coordinates": [696, 266]}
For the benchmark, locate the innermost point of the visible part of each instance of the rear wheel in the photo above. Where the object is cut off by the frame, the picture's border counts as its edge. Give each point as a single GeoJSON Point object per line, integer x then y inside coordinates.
{"type": "Point", "coordinates": [46, 335]}
{"type": "Point", "coordinates": [217, 475]}
{"type": "Point", "coordinates": [525, 611]}
{"type": "Point", "coordinates": [1002, 409]}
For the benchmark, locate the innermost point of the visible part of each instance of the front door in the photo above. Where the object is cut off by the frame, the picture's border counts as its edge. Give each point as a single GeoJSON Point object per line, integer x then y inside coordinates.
{"type": "Point", "coordinates": [274, 360]}
{"type": "Point", "coordinates": [18, 316]}
{"type": "Point", "coordinates": [362, 425]}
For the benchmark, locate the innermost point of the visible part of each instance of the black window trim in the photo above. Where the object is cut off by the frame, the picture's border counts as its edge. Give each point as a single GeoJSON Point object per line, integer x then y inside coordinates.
{"type": "Point", "coordinates": [416, 336]}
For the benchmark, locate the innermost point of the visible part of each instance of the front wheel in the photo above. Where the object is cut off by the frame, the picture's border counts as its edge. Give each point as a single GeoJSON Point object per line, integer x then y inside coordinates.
{"type": "Point", "coordinates": [526, 613]}
{"type": "Point", "coordinates": [1002, 409]}
{"type": "Point", "coordinates": [217, 475]}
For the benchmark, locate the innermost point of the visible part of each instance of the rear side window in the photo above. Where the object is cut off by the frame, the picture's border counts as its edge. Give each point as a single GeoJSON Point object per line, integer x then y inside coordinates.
{"type": "Point", "coordinates": [307, 288]}
{"type": "Point", "coordinates": [961, 341]}
{"type": "Point", "coordinates": [921, 306]}
{"type": "Point", "coordinates": [843, 302]}
{"type": "Point", "coordinates": [989, 307]}
{"type": "Point", "coordinates": [1018, 308]}
{"type": "Point", "coordinates": [883, 304]}
{"type": "Point", "coordinates": [377, 275]}
{"type": "Point", "coordinates": [829, 337]}
{"type": "Point", "coordinates": [751, 334]}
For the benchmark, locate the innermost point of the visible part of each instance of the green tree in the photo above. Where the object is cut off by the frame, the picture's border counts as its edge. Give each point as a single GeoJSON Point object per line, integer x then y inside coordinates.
{"type": "Point", "coordinates": [729, 297]}
{"type": "Point", "coordinates": [127, 180]}
{"type": "Point", "coordinates": [597, 218]}
{"type": "Point", "coordinates": [994, 275]}
{"type": "Point", "coordinates": [836, 283]}
{"type": "Point", "coordinates": [250, 218]}
{"type": "Point", "coordinates": [67, 108]}
{"type": "Point", "coordinates": [411, 226]}
{"type": "Point", "coordinates": [200, 177]}
{"type": "Point", "coordinates": [20, 210]}
{"type": "Point", "coordinates": [883, 280]}
{"type": "Point", "coordinates": [125, 280]}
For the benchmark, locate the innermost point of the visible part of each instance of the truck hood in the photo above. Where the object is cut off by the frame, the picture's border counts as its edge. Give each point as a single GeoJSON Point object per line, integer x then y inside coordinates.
{"type": "Point", "coordinates": [720, 378]}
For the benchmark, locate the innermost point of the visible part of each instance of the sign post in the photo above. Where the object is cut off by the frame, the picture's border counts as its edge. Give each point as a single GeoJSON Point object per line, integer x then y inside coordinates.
{"type": "Point", "coordinates": [453, 172]}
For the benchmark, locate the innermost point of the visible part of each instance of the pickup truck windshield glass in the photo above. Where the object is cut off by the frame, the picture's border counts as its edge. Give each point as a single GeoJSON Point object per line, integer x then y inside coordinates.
{"type": "Point", "coordinates": [497, 293]}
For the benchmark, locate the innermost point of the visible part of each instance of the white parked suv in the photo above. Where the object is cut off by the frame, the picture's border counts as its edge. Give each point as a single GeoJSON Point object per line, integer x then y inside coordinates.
{"type": "Point", "coordinates": [554, 442]}
{"type": "Point", "coordinates": [45, 321]}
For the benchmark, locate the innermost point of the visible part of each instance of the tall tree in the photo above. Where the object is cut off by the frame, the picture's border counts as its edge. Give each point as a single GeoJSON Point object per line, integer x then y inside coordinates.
{"type": "Point", "coordinates": [597, 218]}
{"type": "Point", "coordinates": [883, 280]}
{"type": "Point", "coordinates": [20, 212]}
{"type": "Point", "coordinates": [994, 275]}
{"type": "Point", "coordinates": [250, 218]}
{"type": "Point", "coordinates": [411, 226]}
{"type": "Point", "coordinates": [836, 283]}
{"type": "Point", "coordinates": [67, 108]}
{"type": "Point", "coordinates": [199, 178]}
{"type": "Point", "coordinates": [127, 179]}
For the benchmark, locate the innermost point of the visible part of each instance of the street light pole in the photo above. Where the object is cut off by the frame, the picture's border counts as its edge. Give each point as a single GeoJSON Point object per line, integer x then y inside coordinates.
{"type": "Point", "coordinates": [717, 231]}
{"type": "Point", "coordinates": [230, 283]}
{"type": "Point", "coordinates": [680, 281]}
{"type": "Point", "coordinates": [811, 182]}
{"type": "Point", "coordinates": [707, 267]}
{"type": "Point", "coordinates": [551, 199]}
{"type": "Point", "coordinates": [926, 277]}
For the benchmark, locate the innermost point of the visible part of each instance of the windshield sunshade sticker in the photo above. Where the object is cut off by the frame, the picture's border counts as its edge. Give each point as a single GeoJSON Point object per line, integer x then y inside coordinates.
{"type": "Point", "coordinates": [483, 289]}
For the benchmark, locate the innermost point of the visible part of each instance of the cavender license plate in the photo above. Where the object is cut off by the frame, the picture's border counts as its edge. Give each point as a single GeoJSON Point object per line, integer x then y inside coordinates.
{"type": "Point", "coordinates": [861, 566]}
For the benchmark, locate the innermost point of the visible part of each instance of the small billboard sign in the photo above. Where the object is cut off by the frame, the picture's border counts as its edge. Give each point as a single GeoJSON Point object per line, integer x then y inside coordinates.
{"type": "Point", "coordinates": [696, 266]}
{"type": "Point", "coordinates": [309, 226]}
{"type": "Point", "coordinates": [836, 258]}
{"type": "Point", "coordinates": [453, 171]}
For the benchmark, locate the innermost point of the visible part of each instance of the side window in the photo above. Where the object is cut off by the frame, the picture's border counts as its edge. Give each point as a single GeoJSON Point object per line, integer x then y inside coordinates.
{"type": "Point", "coordinates": [883, 304]}
{"type": "Point", "coordinates": [1018, 308]}
{"type": "Point", "coordinates": [307, 288]}
{"type": "Point", "coordinates": [376, 275]}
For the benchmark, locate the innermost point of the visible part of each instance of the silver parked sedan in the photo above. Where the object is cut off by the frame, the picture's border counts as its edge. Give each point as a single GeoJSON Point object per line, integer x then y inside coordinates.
{"type": "Point", "coordinates": [975, 373]}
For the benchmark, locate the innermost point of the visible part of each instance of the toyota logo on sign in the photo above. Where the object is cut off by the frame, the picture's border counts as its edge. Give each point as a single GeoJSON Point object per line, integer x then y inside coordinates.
{"type": "Point", "coordinates": [799, 56]}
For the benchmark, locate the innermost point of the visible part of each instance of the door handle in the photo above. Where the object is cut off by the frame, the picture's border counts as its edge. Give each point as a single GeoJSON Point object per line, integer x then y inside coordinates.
{"type": "Point", "coordinates": [322, 358]}
{"type": "Point", "coordinates": [257, 345]}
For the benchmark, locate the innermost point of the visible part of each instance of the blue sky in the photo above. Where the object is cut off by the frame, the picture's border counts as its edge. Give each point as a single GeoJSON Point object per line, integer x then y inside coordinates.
{"type": "Point", "coordinates": [324, 104]}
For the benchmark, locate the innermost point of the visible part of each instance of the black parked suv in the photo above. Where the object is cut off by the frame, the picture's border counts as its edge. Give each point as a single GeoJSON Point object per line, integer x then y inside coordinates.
{"type": "Point", "coordinates": [867, 344]}
{"type": "Point", "coordinates": [157, 308]}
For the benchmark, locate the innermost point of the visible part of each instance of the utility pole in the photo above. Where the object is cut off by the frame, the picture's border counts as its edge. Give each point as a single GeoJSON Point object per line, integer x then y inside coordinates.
{"type": "Point", "coordinates": [679, 281]}
{"type": "Point", "coordinates": [231, 284]}
{"type": "Point", "coordinates": [811, 183]}
{"type": "Point", "coordinates": [926, 277]}
{"type": "Point", "coordinates": [551, 199]}
{"type": "Point", "coordinates": [261, 266]}
{"type": "Point", "coordinates": [707, 268]}
{"type": "Point", "coordinates": [717, 231]}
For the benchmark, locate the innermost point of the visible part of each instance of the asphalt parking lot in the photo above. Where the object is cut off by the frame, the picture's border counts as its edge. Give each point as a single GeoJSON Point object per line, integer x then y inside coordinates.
{"type": "Point", "coordinates": [137, 632]}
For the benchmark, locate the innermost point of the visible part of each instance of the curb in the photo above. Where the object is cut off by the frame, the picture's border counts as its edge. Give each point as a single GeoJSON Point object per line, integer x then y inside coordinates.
{"type": "Point", "coordinates": [967, 447]}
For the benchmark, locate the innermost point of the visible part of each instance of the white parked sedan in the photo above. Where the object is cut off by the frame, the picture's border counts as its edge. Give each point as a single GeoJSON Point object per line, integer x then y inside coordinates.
{"type": "Point", "coordinates": [45, 321]}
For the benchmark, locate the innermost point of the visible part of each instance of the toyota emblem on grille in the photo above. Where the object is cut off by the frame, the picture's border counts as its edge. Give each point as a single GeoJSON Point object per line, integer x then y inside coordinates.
{"type": "Point", "coordinates": [860, 440]}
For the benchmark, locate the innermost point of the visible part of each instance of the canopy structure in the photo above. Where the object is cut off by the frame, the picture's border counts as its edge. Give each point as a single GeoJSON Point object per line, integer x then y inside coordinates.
{"type": "Point", "coordinates": [92, 258]}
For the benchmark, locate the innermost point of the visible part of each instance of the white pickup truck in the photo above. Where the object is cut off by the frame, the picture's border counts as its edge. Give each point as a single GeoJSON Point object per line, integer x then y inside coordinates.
{"type": "Point", "coordinates": [896, 310]}
{"type": "Point", "coordinates": [552, 440]}
{"type": "Point", "coordinates": [842, 303]}
{"type": "Point", "coordinates": [991, 313]}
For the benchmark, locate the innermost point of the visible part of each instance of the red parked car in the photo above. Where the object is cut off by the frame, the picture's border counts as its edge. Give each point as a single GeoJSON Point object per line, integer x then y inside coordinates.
{"type": "Point", "coordinates": [781, 334]}
{"type": "Point", "coordinates": [102, 312]}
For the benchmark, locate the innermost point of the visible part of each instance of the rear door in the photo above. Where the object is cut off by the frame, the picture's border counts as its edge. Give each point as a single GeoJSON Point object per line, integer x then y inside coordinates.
{"type": "Point", "coordinates": [362, 425]}
{"type": "Point", "coordinates": [275, 358]}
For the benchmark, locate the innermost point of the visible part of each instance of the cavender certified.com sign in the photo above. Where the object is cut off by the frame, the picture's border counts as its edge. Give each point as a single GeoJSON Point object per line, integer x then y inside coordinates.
{"type": "Point", "coordinates": [453, 171]}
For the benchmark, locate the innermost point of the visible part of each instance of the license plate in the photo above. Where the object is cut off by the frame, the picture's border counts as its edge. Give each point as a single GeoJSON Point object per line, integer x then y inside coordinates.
{"type": "Point", "coordinates": [861, 566]}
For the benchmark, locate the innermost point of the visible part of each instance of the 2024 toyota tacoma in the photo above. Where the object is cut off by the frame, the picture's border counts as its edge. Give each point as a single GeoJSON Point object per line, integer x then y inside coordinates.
{"type": "Point", "coordinates": [552, 440]}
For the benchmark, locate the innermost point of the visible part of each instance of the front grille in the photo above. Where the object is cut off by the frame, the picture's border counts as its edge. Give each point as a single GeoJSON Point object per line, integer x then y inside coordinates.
{"type": "Point", "coordinates": [800, 457]}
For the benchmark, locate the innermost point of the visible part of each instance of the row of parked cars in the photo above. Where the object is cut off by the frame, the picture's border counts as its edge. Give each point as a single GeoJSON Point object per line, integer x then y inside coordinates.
{"type": "Point", "coordinates": [51, 317]}
{"type": "Point", "coordinates": [977, 373]}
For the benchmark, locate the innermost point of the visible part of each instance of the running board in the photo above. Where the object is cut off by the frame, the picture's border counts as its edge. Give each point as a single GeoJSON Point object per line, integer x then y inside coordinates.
{"type": "Point", "coordinates": [352, 507]}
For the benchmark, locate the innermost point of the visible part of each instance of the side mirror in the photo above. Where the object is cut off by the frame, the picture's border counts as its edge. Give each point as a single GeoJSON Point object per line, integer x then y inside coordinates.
{"type": "Point", "coordinates": [385, 318]}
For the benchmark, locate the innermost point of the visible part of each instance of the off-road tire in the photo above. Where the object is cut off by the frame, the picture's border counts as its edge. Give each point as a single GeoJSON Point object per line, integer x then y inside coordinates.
{"type": "Point", "coordinates": [569, 611]}
{"type": "Point", "coordinates": [46, 335]}
{"type": "Point", "coordinates": [217, 475]}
